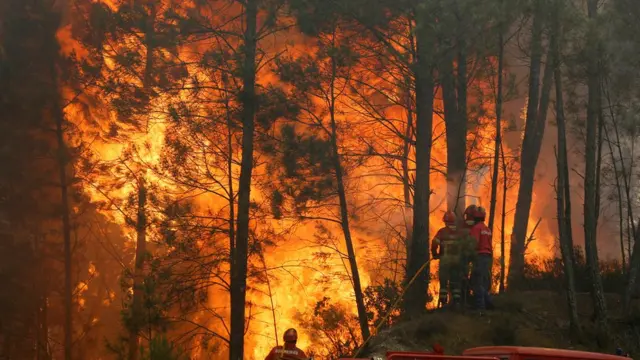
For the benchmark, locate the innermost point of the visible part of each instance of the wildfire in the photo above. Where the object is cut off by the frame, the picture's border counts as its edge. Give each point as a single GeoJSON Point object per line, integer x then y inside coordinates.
{"type": "Point", "coordinates": [297, 279]}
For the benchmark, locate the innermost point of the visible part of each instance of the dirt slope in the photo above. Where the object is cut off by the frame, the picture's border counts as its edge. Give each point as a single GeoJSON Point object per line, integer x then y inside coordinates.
{"type": "Point", "coordinates": [527, 319]}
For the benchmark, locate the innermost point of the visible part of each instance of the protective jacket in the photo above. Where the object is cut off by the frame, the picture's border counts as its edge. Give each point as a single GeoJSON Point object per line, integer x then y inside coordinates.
{"type": "Point", "coordinates": [454, 248]}
{"type": "Point", "coordinates": [288, 352]}
{"type": "Point", "coordinates": [482, 234]}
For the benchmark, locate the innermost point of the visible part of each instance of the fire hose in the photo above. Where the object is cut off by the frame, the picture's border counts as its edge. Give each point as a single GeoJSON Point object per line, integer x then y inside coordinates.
{"type": "Point", "coordinates": [392, 308]}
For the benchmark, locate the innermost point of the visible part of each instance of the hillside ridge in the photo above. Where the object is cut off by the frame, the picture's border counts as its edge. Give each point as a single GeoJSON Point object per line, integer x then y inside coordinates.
{"type": "Point", "coordinates": [535, 318]}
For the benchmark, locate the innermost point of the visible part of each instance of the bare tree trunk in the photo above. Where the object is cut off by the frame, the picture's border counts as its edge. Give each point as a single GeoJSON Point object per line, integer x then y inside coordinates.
{"type": "Point", "coordinates": [63, 162]}
{"type": "Point", "coordinates": [563, 190]}
{"type": "Point", "coordinates": [141, 221]}
{"type": "Point", "coordinates": [407, 142]}
{"type": "Point", "coordinates": [461, 158]}
{"type": "Point", "coordinates": [599, 163]}
{"type": "Point", "coordinates": [505, 187]}
{"type": "Point", "coordinates": [406, 150]}
{"type": "Point", "coordinates": [634, 266]}
{"type": "Point", "coordinates": [590, 196]}
{"type": "Point", "coordinates": [533, 133]}
{"type": "Point", "coordinates": [42, 319]}
{"type": "Point", "coordinates": [42, 342]}
{"type": "Point", "coordinates": [239, 262]}
{"type": "Point", "coordinates": [231, 194]}
{"type": "Point", "coordinates": [456, 125]}
{"type": "Point", "coordinates": [498, 144]}
{"type": "Point", "coordinates": [632, 231]}
{"type": "Point", "coordinates": [620, 211]}
{"type": "Point", "coordinates": [344, 209]}
{"type": "Point", "coordinates": [138, 274]}
{"type": "Point", "coordinates": [619, 193]}
{"type": "Point", "coordinates": [415, 299]}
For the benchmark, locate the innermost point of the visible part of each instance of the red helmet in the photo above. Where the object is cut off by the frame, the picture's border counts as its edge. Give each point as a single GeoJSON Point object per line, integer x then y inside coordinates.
{"type": "Point", "coordinates": [449, 217]}
{"type": "Point", "coordinates": [470, 212]}
{"type": "Point", "coordinates": [290, 336]}
{"type": "Point", "coordinates": [481, 213]}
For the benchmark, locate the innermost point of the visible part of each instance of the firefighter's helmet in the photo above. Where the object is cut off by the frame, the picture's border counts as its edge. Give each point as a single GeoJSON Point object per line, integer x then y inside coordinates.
{"type": "Point", "coordinates": [449, 217]}
{"type": "Point", "coordinates": [481, 213]}
{"type": "Point", "coordinates": [470, 212]}
{"type": "Point", "coordinates": [290, 336]}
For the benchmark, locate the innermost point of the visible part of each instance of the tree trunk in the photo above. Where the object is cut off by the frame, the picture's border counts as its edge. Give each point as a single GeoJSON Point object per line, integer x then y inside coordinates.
{"type": "Point", "coordinates": [454, 90]}
{"type": "Point", "coordinates": [563, 189]}
{"type": "Point", "coordinates": [456, 128]}
{"type": "Point", "coordinates": [619, 193]}
{"type": "Point", "coordinates": [141, 221]}
{"type": "Point", "coordinates": [632, 277]}
{"type": "Point", "coordinates": [138, 274]}
{"type": "Point", "coordinates": [415, 299]}
{"type": "Point", "coordinates": [344, 221]}
{"type": "Point", "coordinates": [57, 112]}
{"type": "Point", "coordinates": [498, 145]}
{"type": "Point", "coordinates": [42, 318]}
{"type": "Point", "coordinates": [590, 196]}
{"type": "Point", "coordinates": [406, 151]}
{"type": "Point", "coordinates": [462, 123]}
{"type": "Point", "coordinates": [239, 263]}
{"type": "Point", "coordinates": [407, 141]}
{"type": "Point", "coordinates": [63, 162]}
{"type": "Point", "coordinates": [42, 343]}
{"type": "Point", "coordinates": [618, 184]}
{"type": "Point", "coordinates": [632, 231]}
{"type": "Point", "coordinates": [529, 153]}
{"type": "Point", "coordinates": [505, 187]}
{"type": "Point", "coordinates": [231, 194]}
{"type": "Point", "coordinates": [344, 210]}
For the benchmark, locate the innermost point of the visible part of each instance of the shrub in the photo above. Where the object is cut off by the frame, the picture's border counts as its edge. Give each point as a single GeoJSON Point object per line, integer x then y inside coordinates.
{"type": "Point", "coordinates": [378, 300]}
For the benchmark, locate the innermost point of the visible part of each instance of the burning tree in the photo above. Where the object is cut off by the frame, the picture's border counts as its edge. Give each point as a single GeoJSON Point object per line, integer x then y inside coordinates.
{"type": "Point", "coordinates": [319, 84]}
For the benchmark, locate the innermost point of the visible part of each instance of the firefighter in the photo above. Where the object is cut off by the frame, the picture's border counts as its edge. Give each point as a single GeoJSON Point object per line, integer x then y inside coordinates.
{"type": "Point", "coordinates": [289, 351]}
{"type": "Point", "coordinates": [469, 220]}
{"type": "Point", "coordinates": [450, 246]}
{"type": "Point", "coordinates": [481, 273]}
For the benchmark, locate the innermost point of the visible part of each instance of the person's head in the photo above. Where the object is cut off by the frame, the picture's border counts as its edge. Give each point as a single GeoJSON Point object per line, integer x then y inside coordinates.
{"type": "Point", "coordinates": [290, 336]}
{"type": "Point", "coordinates": [481, 214]}
{"type": "Point", "coordinates": [449, 220]}
{"type": "Point", "coordinates": [470, 215]}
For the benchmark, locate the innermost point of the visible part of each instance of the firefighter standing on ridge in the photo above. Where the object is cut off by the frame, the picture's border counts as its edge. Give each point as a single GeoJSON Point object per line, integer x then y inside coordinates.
{"type": "Point", "coordinates": [469, 221]}
{"type": "Point", "coordinates": [289, 351]}
{"type": "Point", "coordinates": [451, 247]}
{"type": "Point", "coordinates": [483, 261]}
